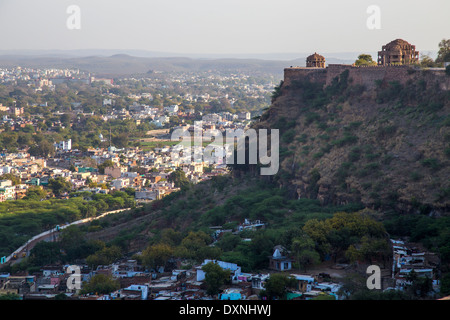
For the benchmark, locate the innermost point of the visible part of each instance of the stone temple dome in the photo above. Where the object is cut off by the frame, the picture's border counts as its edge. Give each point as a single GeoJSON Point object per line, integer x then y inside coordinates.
{"type": "Point", "coordinates": [315, 61]}
{"type": "Point", "coordinates": [398, 52]}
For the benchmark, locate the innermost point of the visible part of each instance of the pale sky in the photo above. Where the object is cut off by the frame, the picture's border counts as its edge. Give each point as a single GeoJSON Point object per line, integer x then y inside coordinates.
{"type": "Point", "coordinates": [222, 26]}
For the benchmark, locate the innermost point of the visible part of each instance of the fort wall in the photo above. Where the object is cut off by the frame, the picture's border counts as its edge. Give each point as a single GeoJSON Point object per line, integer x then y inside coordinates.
{"type": "Point", "coordinates": [367, 75]}
{"type": "Point", "coordinates": [299, 73]}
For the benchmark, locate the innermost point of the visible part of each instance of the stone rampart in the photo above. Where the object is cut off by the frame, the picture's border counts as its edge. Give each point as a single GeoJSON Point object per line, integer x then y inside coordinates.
{"type": "Point", "coordinates": [368, 75]}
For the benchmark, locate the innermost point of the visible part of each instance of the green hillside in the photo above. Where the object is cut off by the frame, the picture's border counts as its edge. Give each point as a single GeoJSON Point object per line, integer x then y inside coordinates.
{"type": "Point", "coordinates": [387, 147]}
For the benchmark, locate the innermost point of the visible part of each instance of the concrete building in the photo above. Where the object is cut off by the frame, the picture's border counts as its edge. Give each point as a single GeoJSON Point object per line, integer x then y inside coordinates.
{"type": "Point", "coordinates": [64, 145]}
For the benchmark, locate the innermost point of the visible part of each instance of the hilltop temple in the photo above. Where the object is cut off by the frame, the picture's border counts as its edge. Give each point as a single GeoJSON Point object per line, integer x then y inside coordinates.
{"type": "Point", "coordinates": [315, 61]}
{"type": "Point", "coordinates": [395, 62]}
{"type": "Point", "coordinates": [398, 52]}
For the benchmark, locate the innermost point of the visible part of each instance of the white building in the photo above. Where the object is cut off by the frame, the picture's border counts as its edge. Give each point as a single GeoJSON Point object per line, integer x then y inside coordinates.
{"type": "Point", "coordinates": [5, 183]}
{"type": "Point", "coordinates": [120, 183]}
{"type": "Point", "coordinates": [160, 121]}
{"type": "Point", "coordinates": [64, 145]}
{"type": "Point", "coordinates": [8, 192]}
{"type": "Point", "coordinates": [244, 116]}
{"type": "Point", "coordinates": [107, 102]}
{"type": "Point", "coordinates": [137, 289]}
{"type": "Point", "coordinates": [145, 195]}
{"type": "Point", "coordinates": [212, 117]}
{"type": "Point", "coordinates": [171, 109]}
{"type": "Point", "coordinates": [234, 268]}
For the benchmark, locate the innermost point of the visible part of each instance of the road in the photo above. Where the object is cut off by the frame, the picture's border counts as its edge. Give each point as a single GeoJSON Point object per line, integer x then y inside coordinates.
{"type": "Point", "coordinates": [49, 235]}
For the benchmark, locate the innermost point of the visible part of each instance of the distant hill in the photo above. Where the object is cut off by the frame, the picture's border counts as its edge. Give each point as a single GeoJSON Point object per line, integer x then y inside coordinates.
{"type": "Point", "coordinates": [120, 64]}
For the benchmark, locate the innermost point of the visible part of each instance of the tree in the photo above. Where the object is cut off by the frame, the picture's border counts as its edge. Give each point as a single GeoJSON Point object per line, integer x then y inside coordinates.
{"type": "Point", "coordinates": [260, 248]}
{"type": "Point", "coordinates": [178, 177]}
{"type": "Point", "coordinates": [225, 104]}
{"type": "Point", "coordinates": [66, 119]}
{"type": "Point", "coordinates": [59, 185]}
{"type": "Point", "coordinates": [45, 253]}
{"type": "Point", "coordinates": [61, 296]}
{"type": "Point", "coordinates": [308, 257]}
{"type": "Point", "coordinates": [419, 286]}
{"type": "Point", "coordinates": [373, 247]}
{"type": "Point", "coordinates": [35, 193]}
{"type": "Point", "coordinates": [75, 245]}
{"type": "Point", "coordinates": [42, 149]}
{"type": "Point", "coordinates": [324, 296]}
{"type": "Point", "coordinates": [337, 235]}
{"type": "Point", "coordinates": [195, 241]}
{"type": "Point", "coordinates": [121, 140]}
{"type": "Point", "coordinates": [444, 51]}
{"type": "Point", "coordinates": [277, 91]}
{"type": "Point", "coordinates": [304, 252]}
{"type": "Point", "coordinates": [157, 255]}
{"type": "Point", "coordinates": [426, 61]}
{"type": "Point", "coordinates": [100, 284]}
{"type": "Point", "coordinates": [105, 256]}
{"type": "Point", "coordinates": [277, 285]}
{"type": "Point", "coordinates": [215, 277]}
{"type": "Point", "coordinates": [228, 242]}
{"type": "Point", "coordinates": [171, 237]}
{"type": "Point", "coordinates": [10, 296]}
{"type": "Point", "coordinates": [208, 252]}
{"type": "Point", "coordinates": [445, 284]}
{"type": "Point", "coordinates": [365, 60]}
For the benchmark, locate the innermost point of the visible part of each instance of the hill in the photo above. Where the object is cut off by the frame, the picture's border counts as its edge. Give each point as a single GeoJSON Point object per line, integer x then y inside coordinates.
{"type": "Point", "coordinates": [364, 157]}
{"type": "Point", "coordinates": [379, 136]}
{"type": "Point", "coordinates": [123, 64]}
{"type": "Point", "coordinates": [343, 147]}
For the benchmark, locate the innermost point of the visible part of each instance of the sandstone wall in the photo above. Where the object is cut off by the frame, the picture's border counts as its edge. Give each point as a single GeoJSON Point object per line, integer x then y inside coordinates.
{"type": "Point", "coordinates": [366, 76]}
{"type": "Point", "coordinates": [299, 73]}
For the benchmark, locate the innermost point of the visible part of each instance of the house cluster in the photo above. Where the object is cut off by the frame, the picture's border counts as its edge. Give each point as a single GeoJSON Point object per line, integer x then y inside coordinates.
{"type": "Point", "coordinates": [138, 283]}
{"type": "Point", "coordinates": [39, 78]}
{"type": "Point", "coordinates": [8, 191]}
{"type": "Point", "coordinates": [21, 165]}
{"type": "Point", "coordinates": [14, 120]}
{"type": "Point", "coordinates": [145, 171]}
{"type": "Point", "coordinates": [160, 117]}
{"type": "Point", "coordinates": [408, 259]}
{"type": "Point", "coordinates": [216, 85]}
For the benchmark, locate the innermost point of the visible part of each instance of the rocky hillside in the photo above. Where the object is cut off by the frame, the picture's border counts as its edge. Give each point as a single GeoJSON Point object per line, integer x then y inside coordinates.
{"type": "Point", "coordinates": [386, 146]}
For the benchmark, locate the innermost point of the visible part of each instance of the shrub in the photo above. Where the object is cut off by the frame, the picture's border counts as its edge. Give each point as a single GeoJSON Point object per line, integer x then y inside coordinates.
{"type": "Point", "coordinates": [277, 91]}
{"type": "Point", "coordinates": [311, 117]}
{"type": "Point", "coordinates": [345, 140]}
{"type": "Point", "coordinates": [431, 163]}
{"type": "Point", "coordinates": [288, 136]}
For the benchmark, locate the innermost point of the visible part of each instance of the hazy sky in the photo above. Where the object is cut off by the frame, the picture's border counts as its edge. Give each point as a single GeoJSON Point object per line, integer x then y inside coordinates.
{"type": "Point", "coordinates": [222, 26]}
